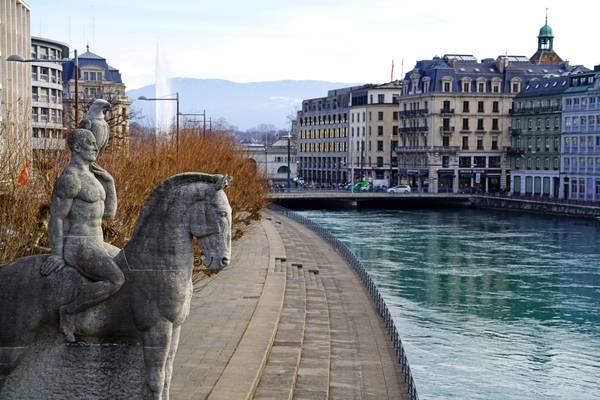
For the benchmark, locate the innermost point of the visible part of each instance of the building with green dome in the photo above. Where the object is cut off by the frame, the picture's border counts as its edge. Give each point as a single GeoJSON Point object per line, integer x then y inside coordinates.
{"type": "Point", "coordinates": [545, 53]}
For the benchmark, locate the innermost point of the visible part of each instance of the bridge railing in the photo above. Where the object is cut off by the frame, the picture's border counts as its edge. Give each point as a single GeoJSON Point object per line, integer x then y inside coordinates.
{"type": "Point", "coordinates": [371, 287]}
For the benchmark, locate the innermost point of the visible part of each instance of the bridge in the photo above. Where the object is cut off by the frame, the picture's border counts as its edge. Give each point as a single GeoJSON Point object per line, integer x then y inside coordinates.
{"type": "Point", "coordinates": [343, 199]}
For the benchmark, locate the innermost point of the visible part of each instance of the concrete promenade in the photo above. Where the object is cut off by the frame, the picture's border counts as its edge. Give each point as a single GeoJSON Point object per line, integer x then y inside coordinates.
{"type": "Point", "coordinates": [287, 319]}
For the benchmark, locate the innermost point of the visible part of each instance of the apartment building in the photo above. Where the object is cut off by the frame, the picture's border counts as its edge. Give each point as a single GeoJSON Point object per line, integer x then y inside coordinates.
{"type": "Point", "coordinates": [47, 94]}
{"type": "Point", "coordinates": [322, 127]}
{"type": "Point", "coordinates": [580, 144]}
{"type": "Point", "coordinates": [15, 87]}
{"type": "Point", "coordinates": [534, 153]}
{"type": "Point", "coordinates": [373, 135]}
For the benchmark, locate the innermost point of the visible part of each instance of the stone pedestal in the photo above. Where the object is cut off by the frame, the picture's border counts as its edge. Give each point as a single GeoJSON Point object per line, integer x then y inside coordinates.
{"type": "Point", "coordinates": [54, 370]}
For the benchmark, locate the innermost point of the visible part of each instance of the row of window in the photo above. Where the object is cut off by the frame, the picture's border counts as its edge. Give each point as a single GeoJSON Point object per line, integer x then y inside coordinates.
{"type": "Point", "coordinates": [581, 164]}
{"type": "Point", "coordinates": [581, 144]}
{"type": "Point", "coordinates": [322, 162]}
{"type": "Point", "coordinates": [46, 95]}
{"type": "Point", "coordinates": [323, 119]}
{"type": "Point", "coordinates": [537, 123]}
{"type": "Point", "coordinates": [536, 144]}
{"type": "Point", "coordinates": [466, 85]}
{"type": "Point", "coordinates": [584, 188]}
{"type": "Point", "coordinates": [538, 163]}
{"type": "Point", "coordinates": [533, 185]}
{"type": "Point", "coordinates": [45, 74]}
{"type": "Point", "coordinates": [479, 143]}
{"type": "Point", "coordinates": [92, 75]}
{"type": "Point", "coordinates": [582, 102]}
{"type": "Point", "coordinates": [525, 105]}
{"type": "Point", "coordinates": [323, 133]}
{"type": "Point", "coordinates": [329, 147]}
{"type": "Point", "coordinates": [46, 53]}
{"type": "Point", "coordinates": [582, 123]}
{"type": "Point", "coordinates": [466, 126]}
{"type": "Point", "coordinates": [41, 114]}
{"type": "Point", "coordinates": [476, 162]}
{"type": "Point", "coordinates": [381, 98]}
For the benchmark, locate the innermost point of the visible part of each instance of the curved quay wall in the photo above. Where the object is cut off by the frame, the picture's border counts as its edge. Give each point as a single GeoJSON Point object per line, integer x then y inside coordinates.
{"type": "Point", "coordinates": [368, 283]}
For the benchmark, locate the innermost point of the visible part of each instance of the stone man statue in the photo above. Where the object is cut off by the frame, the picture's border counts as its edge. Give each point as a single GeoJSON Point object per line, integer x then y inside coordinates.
{"type": "Point", "coordinates": [83, 195]}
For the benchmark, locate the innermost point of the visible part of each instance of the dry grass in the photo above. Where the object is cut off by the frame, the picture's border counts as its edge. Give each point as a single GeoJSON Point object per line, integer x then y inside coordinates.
{"type": "Point", "coordinates": [137, 170]}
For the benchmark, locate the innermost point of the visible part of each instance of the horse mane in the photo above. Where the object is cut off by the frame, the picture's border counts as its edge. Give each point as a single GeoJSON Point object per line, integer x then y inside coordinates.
{"type": "Point", "coordinates": [162, 192]}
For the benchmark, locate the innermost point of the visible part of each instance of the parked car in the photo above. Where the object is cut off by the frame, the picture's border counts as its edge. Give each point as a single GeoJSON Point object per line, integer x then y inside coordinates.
{"type": "Point", "coordinates": [399, 189]}
{"type": "Point", "coordinates": [362, 186]}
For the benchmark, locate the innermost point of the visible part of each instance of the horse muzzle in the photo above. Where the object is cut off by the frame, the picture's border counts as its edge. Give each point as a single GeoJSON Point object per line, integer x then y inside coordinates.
{"type": "Point", "coordinates": [215, 264]}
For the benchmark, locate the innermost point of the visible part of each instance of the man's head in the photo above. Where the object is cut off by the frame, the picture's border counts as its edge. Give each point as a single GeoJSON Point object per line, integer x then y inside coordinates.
{"type": "Point", "coordinates": [83, 143]}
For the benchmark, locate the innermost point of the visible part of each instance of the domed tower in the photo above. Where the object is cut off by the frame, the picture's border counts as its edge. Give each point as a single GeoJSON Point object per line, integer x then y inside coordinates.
{"type": "Point", "coordinates": [545, 53]}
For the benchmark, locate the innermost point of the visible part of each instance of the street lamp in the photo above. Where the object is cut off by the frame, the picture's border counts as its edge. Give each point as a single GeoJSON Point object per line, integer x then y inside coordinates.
{"type": "Point", "coordinates": [176, 99]}
{"type": "Point", "coordinates": [18, 58]}
{"type": "Point", "coordinates": [289, 138]}
{"type": "Point", "coordinates": [203, 114]}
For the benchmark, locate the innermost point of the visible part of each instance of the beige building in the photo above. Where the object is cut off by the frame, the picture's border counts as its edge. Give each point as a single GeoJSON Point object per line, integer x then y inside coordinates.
{"type": "Point", "coordinates": [272, 161]}
{"type": "Point", "coordinates": [373, 127]}
{"type": "Point", "coordinates": [454, 121]}
{"type": "Point", "coordinates": [97, 80]}
{"type": "Point", "coordinates": [15, 87]}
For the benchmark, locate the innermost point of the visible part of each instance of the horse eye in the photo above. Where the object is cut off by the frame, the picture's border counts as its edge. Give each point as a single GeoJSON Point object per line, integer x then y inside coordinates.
{"type": "Point", "coordinates": [223, 214]}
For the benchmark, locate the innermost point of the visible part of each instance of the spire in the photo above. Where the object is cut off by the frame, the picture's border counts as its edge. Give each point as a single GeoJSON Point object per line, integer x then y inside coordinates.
{"type": "Point", "coordinates": [546, 15]}
{"type": "Point", "coordinates": [87, 47]}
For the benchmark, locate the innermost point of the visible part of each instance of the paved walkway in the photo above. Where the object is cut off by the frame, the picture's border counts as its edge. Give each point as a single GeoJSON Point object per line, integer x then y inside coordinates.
{"type": "Point", "coordinates": [287, 320]}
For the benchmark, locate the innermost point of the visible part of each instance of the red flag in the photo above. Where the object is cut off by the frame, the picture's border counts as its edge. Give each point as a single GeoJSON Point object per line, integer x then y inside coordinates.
{"type": "Point", "coordinates": [23, 175]}
{"type": "Point", "coordinates": [392, 75]}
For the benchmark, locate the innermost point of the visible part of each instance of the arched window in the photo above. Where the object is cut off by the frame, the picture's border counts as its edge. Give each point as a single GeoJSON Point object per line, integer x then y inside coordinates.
{"type": "Point", "coordinates": [282, 170]}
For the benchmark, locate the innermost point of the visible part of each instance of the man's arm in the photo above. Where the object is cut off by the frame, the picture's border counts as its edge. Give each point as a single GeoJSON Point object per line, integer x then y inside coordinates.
{"type": "Point", "coordinates": [107, 181]}
{"type": "Point", "coordinates": [66, 188]}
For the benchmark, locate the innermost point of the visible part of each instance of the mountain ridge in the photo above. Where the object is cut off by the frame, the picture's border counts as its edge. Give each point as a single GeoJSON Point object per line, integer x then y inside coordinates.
{"type": "Point", "coordinates": [244, 105]}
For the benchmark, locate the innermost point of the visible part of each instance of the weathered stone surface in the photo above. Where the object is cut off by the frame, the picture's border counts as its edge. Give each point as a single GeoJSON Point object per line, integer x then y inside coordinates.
{"type": "Point", "coordinates": [54, 370]}
{"type": "Point", "coordinates": [97, 292]}
{"type": "Point", "coordinates": [149, 308]}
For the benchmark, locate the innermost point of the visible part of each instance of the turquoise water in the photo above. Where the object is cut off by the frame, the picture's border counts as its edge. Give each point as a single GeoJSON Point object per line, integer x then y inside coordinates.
{"type": "Point", "coordinates": [489, 305]}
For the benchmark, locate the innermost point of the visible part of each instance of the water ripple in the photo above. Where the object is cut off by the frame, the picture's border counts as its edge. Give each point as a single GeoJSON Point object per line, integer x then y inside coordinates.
{"type": "Point", "coordinates": [489, 305]}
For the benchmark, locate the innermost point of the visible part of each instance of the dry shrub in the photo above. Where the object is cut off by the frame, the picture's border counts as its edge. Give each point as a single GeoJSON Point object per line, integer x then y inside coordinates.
{"type": "Point", "coordinates": [137, 169]}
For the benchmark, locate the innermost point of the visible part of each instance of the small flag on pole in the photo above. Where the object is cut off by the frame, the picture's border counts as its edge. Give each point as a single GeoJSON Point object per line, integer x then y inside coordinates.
{"type": "Point", "coordinates": [23, 175]}
{"type": "Point", "coordinates": [392, 74]}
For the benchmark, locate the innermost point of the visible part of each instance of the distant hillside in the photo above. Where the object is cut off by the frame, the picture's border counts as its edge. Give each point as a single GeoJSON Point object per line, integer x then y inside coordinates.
{"type": "Point", "coordinates": [244, 105]}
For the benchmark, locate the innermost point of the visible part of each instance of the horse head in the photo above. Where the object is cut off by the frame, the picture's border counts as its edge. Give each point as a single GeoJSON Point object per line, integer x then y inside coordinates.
{"type": "Point", "coordinates": [181, 207]}
{"type": "Point", "coordinates": [209, 220]}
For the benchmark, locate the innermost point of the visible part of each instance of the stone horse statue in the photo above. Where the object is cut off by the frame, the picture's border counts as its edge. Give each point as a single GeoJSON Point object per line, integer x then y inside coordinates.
{"type": "Point", "coordinates": [155, 299]}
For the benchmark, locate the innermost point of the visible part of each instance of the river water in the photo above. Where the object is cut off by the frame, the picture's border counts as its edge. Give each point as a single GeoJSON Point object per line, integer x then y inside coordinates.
{"type": "Point", "coordinates": [488, 305]}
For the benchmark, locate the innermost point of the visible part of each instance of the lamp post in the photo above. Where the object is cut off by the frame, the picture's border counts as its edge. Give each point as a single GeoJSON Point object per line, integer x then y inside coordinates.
{"type": "Point", "coordinates": [18, 58]}
{"type": "Point", "coordinates": [289, 138]}
{"type": "Point", "coordinates": [177, 113]}
{"type": "Point", "coordinates": [203, 114]}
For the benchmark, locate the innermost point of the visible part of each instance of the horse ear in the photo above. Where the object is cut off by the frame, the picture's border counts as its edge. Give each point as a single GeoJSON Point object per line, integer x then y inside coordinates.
{"type": "Point", "coordinates": [223, 181]}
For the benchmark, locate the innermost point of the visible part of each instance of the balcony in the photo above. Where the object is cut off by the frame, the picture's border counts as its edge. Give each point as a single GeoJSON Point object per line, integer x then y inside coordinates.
{"type": "Point", "coordinates": [446, 149]}
{"type": "Point", "coordinates": [446, 129]}
{"type": "Point", "coordinates": [447, 111]}
{"type": "Point", "coordinates": [513, 151]}
{"type": "Point", "coordinates": [535, 110]}
{"type": "Point", "coordinates": [413, 149]}
{"type": "Point", "coordinates": [413, 113]}
{"type": "Point", "coordinates": [411, 129]}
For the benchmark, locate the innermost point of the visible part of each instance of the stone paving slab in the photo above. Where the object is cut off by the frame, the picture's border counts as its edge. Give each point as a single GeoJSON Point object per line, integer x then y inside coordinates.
{"type": "Point", "coordinates": [234, 318]}
{"type": "Point", "coordinates": [363, 364]}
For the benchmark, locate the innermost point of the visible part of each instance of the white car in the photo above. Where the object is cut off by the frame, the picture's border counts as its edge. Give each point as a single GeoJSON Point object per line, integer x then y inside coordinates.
{"type": "Point", "coordinates": [399, 189]}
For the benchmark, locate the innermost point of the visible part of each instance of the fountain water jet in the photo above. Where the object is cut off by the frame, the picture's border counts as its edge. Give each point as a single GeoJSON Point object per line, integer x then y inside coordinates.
{"type": "Point", "coordinates": [164, 111]}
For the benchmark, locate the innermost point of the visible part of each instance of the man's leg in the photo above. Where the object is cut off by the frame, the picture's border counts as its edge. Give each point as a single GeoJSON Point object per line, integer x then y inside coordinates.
{"type": "Point", "coordinates": [93, 262]}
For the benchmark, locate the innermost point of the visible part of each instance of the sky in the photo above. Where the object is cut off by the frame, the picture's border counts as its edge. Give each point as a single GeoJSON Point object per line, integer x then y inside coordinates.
{"type": "Point", "coordinates": [332, 40]}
